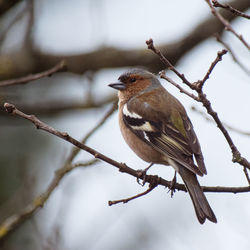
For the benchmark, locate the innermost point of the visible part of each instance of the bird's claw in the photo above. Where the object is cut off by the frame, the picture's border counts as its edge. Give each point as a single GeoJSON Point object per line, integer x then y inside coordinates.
{"type": "Point", "coordinates": [172, 184]}
{"type": "Point", "coordinates": [142, 173]}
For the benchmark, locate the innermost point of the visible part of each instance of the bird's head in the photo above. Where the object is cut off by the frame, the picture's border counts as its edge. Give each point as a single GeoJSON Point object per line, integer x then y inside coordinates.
{"type": "Point", "coordinates": [133, 82]}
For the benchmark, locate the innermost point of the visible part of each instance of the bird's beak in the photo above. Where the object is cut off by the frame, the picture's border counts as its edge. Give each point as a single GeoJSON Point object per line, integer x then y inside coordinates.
{"type": "Point", "coordinates": [117, 85]}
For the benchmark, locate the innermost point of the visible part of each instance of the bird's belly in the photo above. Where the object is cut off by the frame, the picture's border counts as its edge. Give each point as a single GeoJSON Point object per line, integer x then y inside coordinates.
{"type": "Point", "coordinates": [142, 149]}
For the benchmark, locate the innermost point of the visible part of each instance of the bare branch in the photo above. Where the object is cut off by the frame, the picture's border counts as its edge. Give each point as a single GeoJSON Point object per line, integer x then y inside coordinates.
{"type": "Point", "coordinates": [152, 179]}
{"type": "Point", "coordinates": [197, 86]}
{"type": "Point", "coordinates": [76, 150]}
{"type": "Point", "coordinates": [213, 64]}
{"type": "Point", "coordinates": [25, 79]}
{"type": "Point", "coordinates": [167, 62]}
{"type": "Point", "coordinates": [14, 221]}
{"type": "Point", "coordinates": [227, 25]}
{"type": "Point", "coordinates": [230, 8]}
{"type": "Point", "coordinates": [247, 175]}
{"type": "Point", "coordinates": [150, 188]}
{"type": "Point", "coordinates": [182, 90]}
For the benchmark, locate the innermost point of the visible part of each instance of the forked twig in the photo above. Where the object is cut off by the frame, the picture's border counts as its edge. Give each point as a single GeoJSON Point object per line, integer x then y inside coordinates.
{"type": "Point", "coordinates": [197, 86]}
{"type": "Point", "coordinates": [227, 25]}
{"type": "Point", "coordinates": [230, 8]}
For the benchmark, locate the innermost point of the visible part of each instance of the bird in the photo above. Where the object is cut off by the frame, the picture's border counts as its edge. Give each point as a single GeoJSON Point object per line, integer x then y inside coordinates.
{"type": "Point", "coordinates": [157, 128]}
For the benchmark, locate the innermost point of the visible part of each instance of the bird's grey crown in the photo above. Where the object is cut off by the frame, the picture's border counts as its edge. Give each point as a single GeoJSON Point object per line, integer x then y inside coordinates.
{"type": "Point", "coordinates": [141, 72]}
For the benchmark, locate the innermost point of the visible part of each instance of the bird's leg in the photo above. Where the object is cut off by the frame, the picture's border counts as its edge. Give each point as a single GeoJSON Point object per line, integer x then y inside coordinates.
{"type": "Point", "coordinates": [142, 173]}
{"type": "Point", "coordinates": [172, 184]}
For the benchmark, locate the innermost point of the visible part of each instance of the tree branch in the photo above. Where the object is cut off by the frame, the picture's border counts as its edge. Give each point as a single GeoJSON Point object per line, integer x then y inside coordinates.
{"type": "Point", "coordinates": [12, 222]}
{"type": "Point", "coordinates": [150, 188]}
{"type": "Point", "coordinates": [227, 25]}
{"type": "Point", "coordinates": [152, 179]}
{"type": "Point", "coordinates": [230, 8]}
{"type": "Point", "coordinates": [197, 86]}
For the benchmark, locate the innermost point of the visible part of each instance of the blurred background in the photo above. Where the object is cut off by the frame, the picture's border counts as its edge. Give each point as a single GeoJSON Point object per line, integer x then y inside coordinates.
{"type": "Point", "coordinates": [99, 40]}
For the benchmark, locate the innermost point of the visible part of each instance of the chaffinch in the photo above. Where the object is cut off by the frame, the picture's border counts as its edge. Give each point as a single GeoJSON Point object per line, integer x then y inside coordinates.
{"type": "Point", "coordinates": [156, 127]}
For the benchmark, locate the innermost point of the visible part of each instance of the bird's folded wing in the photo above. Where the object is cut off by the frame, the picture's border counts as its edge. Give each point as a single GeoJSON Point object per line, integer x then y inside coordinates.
{"type": "Point", "coordinates": [169, 134]}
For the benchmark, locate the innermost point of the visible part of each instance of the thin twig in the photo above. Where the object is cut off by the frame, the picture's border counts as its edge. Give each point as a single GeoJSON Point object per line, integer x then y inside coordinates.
{"type": "Point", "coordinates": [230, 8]}
{"type": "Point", "coordinates": [151, 187]}
{"type": "Point", "coordinates": [232, 54]}
{"type": "Point", "coordinates": [182, 90]}
{"type": "Point", "coordinates": [227, 25]}
{"type": "Point", "coordinates": [25, 79]}
{"type": "Point", "coordinates": [247, 175]}
{"type": "Point", "coordinates": [170, 66]}
{"type": "Point", "coordinates": [197, 86]}
{"type": "Point", "coordinates": [213, 64]}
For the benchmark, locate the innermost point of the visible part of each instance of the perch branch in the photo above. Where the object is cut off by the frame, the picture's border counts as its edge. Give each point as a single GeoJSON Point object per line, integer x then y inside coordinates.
{"type": "Point", "coordinates": [152, 179]}
{"type": "Point", "coordinates": [14, 221]}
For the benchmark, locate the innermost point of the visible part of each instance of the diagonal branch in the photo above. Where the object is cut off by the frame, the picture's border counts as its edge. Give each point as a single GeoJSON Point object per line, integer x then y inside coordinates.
{"type": "Point", "coordinates": [227, 25]}
{"type": "Point", "coordinates": [14, 221]}
{"type": "Point", "coordinates": [230, 8]}
{"type": "Point", "coordinates": [152, 179]}
{"type": "Point", "coordinates": [197, 86]}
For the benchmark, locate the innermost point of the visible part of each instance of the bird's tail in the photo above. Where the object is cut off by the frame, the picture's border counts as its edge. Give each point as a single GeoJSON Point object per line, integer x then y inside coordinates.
{"type": "Point", "coordinates": [201, 205]}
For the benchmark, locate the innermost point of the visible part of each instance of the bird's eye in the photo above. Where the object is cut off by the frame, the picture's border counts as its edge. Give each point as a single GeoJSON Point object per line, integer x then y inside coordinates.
{"type": "Point", "coordinates": [133, 79]}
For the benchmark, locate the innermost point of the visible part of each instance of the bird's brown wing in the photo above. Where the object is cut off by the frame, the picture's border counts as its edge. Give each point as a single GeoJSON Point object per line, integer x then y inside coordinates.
{"type": "Point", "coordinates": [165, 127]}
